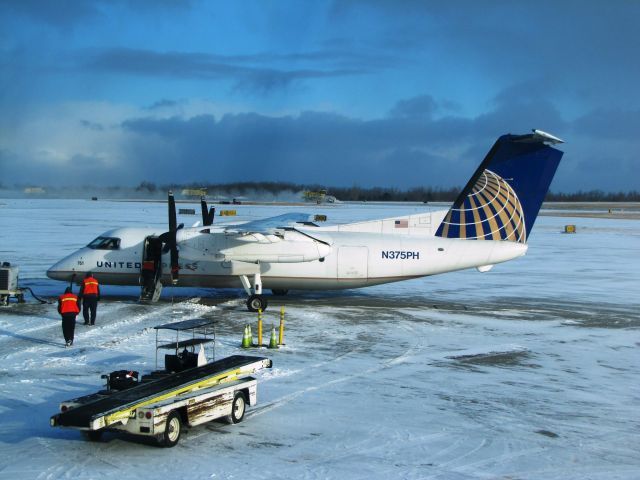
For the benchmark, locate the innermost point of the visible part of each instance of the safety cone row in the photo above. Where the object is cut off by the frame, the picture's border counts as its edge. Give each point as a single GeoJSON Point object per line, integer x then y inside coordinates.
{"type": "Point", "coordinates": [247, 337]}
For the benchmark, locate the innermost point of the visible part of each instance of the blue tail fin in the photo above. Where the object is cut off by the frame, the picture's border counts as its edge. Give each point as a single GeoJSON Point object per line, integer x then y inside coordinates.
{"type": "Point", "coordinates": [503, 197]}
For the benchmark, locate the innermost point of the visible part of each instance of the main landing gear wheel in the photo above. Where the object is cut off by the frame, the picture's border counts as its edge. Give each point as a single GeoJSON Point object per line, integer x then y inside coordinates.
{"type": "Point", "coordinates": [238, 408]}
{"type": "Point", "coordinates": [172, 430]}
{"type": "Point", "coordinates": [279, 292]}
{"type": "Point", "coordinates": [257, 302]}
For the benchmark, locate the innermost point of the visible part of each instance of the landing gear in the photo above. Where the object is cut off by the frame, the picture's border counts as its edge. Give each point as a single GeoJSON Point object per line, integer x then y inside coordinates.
{"type": "Point", "coordinates": [257, 302]}
{"type": "Point", "coordinates": [279, 292]}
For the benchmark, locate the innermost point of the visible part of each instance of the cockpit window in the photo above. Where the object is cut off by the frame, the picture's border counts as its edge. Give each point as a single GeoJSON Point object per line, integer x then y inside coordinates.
{"type": "Point", "coordinates": [105, 243]}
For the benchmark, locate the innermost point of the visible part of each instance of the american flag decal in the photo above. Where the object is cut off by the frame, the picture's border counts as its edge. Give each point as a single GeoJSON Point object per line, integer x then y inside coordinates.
{"type": "Point", "coordinates": [401, 224]}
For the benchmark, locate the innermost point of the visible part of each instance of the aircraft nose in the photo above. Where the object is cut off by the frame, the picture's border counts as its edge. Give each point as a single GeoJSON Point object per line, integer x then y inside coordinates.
{"type": "Point", "coordinates": [56, 274]}
{"type": "Point", "coordinates": [61, 271]}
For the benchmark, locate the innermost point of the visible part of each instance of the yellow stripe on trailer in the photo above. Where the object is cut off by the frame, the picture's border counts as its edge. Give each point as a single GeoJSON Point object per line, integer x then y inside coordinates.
{"type": "Point", "coordinates": [125, 414]}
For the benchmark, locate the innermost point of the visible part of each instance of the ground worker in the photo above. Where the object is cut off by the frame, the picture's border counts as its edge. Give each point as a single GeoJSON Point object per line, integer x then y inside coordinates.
{"type": "Point", "coordinates": [68, 308]}
{"type": "Point", "coordinates": [90, 296]}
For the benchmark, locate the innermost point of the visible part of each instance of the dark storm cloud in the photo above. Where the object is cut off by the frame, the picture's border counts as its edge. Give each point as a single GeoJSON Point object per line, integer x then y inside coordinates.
{"type": "Point", "coordinates": [620, 124]}
{"type": "Point", "coordinates": [584, 50]}
{"type": "Point", "coordinates": [67, 13]}
{"type": "Point", "coordinates": [413, 146]}
{"type": "Point", "coordinates": [164, 103]}
{"type": "Point", "coordinates": [91, 125]}
{"type": "Point", "coordinates": [417, 144]}
{"type": "Point", "coordinates": [62, 13]}
{"type": "Point", "coordinates": [204, 66]}
{"type": "Point", "coordinates": [308, 148]}
{"type": "Point", "coordinates": [421, 106]}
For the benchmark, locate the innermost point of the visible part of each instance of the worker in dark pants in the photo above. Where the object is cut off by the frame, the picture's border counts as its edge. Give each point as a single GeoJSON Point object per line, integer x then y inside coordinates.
{"type": "Point", "coordinates": [90, 296]}
{"type": "Point", "coordinates": [68, 308]}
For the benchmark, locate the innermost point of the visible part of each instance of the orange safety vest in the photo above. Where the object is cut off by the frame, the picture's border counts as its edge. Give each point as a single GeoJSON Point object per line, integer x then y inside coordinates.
{"type": "Point", "coordinates": [69, 303]}
{"type": "Point", "coordinates": [90, 286]}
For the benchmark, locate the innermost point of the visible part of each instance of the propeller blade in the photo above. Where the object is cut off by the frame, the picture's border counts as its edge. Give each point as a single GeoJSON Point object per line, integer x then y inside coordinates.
{"type": "Point", "coordinates": [172, 212]}
{"type": "Point", "coordinates": [207, 215]}
{"type": "Point", "coordinates": [173, 228]}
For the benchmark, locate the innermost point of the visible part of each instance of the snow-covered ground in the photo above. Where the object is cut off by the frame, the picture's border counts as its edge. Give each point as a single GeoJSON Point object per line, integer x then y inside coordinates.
{"type": "Point", "coordinates": [528, 371]}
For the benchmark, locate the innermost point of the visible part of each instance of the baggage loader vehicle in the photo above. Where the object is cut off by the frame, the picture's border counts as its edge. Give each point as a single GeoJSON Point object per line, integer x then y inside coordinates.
{"type": "Point", "coordinates": [160, 404]}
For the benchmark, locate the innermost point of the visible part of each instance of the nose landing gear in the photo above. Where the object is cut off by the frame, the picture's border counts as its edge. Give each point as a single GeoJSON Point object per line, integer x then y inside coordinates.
{"type": "Point", "coordinates": [256, 300]}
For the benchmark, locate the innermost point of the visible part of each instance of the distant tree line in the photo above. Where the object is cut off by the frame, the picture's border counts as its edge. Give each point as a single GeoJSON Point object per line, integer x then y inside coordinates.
{"type": "Point", "coordinates": [374, 194]}
{"type": "Point", "coordinates": [287, 191]}
{"type": "Point", "coordinates": [594, 196]}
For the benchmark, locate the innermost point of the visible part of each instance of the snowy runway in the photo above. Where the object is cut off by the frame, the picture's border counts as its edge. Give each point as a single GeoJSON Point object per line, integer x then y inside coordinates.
{"type": "Point", "coordinates": [528, 371]}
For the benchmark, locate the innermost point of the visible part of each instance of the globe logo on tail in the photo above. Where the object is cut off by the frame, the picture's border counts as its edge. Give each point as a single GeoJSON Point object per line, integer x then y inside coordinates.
{"type": "Point", "coordinates": [490, 211]}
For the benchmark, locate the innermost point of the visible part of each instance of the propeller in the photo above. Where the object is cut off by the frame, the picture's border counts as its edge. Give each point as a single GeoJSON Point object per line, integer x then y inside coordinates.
{"type": "Point", "coordinates": [207, 215]}
{"type": "Point", "coordinates": [169, 238]}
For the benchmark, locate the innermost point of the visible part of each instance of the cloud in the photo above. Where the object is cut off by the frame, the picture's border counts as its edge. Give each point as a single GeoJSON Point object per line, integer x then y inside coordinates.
{"type": "Point", "coordinates": [164, 103]}
{"type": "Point", "coordinates": [421, 106]}
{"type": "Point", "coordinates": [91, 125]}
{"type": "Point", "coordinates": [419, 143]}
{"type": "Point", "coordinates": [68, 13]}
{"type": "Point", "coordinates": [612, 123]}
{"type": "Point", "coordinates": [248, 72]}
{"type": "Point", "coordinates": [312, 147]}
{"type": "Point", "coordinates": [61, 14]}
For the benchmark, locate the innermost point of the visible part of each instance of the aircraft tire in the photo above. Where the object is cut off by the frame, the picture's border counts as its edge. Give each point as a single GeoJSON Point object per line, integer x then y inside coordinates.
{"type": "Point", "coordinates": [256, 302]}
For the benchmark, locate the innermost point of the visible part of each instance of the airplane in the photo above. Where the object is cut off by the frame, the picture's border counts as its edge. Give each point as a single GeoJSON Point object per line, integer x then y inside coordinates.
{"type": "Point", "coordinates": [489, 223]}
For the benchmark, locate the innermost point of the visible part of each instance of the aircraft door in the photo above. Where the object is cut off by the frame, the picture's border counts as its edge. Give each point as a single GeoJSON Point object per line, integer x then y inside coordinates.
{"type": "Point", "coordinates": [353, 262]}
{"type": "Point", "coordinates": [151, 270]}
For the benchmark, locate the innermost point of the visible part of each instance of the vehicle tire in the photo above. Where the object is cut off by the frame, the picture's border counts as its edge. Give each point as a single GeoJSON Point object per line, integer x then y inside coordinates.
{"type": "Point", "coordinates": [4, 300]}
{"type": "Point", "coordinates": [256, 302]}
{"type": "Point", "coordinates": [95, 435]}
{"type": "Point", "coordinates": [172, 430]}
{"type": "Point", "coordinates": [238, 407]}
{"type": "Point", "coordinates": [279, 292]}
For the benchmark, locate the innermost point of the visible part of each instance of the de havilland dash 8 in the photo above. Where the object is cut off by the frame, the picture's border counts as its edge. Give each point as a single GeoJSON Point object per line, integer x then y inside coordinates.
{"type": "Point", "coordinates": [489, 223]}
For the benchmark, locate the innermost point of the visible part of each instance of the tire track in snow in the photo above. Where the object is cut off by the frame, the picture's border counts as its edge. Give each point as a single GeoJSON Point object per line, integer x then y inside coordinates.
{"type": "Point", "coordinates": [406, 354]}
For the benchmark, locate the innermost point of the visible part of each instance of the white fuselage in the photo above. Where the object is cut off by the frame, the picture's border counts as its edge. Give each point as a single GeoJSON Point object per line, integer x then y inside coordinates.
{"type": "Point", "coordinates": [354, 255]}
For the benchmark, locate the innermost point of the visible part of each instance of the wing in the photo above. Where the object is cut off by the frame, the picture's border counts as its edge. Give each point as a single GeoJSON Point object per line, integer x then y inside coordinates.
{"type": "Point", "coordinates": [268, 225]}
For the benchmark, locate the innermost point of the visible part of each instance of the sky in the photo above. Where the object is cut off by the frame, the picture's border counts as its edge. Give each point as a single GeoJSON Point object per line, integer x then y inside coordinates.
{"type": "Point", "coordinates": [338, 93]}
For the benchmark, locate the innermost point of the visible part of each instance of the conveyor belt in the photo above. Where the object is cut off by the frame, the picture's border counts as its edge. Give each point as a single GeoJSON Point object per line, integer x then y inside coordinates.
{"type": "Point", "coordinates": [117, 406]}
